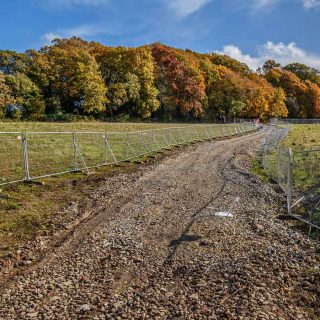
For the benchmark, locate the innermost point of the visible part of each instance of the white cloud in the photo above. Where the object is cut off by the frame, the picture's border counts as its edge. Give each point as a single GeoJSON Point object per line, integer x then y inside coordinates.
{"type": "Point", "coordinates": [70, 3]}
{"type": "Point", "coordinates": [259, 4]}
{"type": "Point", "coordinates": [310, 4]}
{"type": "Point", "coordinates": [184, 8]}
{"type": "Point", "coordinates": [80, 31]}
{"type": "Point", "coordinates": [48, 37]}
{"type": "Point", "coordinates": [253, 6]}
{"type": "Point", "coordinates": [280, 52]}
{"type": "Point", "coordinates": [236, 53]}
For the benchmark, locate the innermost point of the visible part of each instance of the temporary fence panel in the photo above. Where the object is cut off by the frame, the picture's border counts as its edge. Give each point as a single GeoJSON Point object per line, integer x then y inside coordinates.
{"type": "Point", "coordinates": [298, 174]}
{"type": "Point", "coordinates": [306, 185]}
{"type": "Point", "coordinates": [50, 153]}
{"type": "Point", "coordinates": [12, 164]}
{"type": "Point", "coordinates": [31, 155]}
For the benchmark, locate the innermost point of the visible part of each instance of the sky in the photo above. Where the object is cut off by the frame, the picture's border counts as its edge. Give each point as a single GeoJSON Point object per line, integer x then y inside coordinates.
{"type": "Point", "coordinates": [251, 31]}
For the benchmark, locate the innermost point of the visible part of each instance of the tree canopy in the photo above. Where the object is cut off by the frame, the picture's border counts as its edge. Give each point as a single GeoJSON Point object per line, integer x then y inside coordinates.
{"type": "Point", "coordinates": [80, 78]}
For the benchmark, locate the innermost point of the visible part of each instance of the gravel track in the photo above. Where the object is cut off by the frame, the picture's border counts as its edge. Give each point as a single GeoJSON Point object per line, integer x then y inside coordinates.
{"type": "Point", "coordinates": [151, 248]}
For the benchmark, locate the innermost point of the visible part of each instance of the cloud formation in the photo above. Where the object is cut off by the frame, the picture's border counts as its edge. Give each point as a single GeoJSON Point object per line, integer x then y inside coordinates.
{"type": "Point", "coordinates": [282, 53]}
{"type": "Point", "coordinates": [80, 31]}
{"type": "Point", "coordinates": [70, 3]}
{"type": "Point", "coordinates": [258, 5]}
{"type": "Point", "coordinates": [311, 4]}
{"type": "Point", "coordinates": [184, 8]}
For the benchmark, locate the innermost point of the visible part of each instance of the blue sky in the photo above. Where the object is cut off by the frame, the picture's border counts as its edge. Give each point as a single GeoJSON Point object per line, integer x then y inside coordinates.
{"type": "Point", "coordinates": [249, 30]}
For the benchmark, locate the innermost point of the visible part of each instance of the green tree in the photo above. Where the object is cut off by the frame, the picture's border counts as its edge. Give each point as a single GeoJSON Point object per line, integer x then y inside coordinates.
{"type": "Point", "coordinates": [6, 96]}
{"type": "Point", "coordinates": [130, 75]}
{"type": "Point", "coordinates": [72, 78]}
{"type": "Point", "coordinates": [12, 62]}
{"type": "Point", "coordinates": [304, 72]}
{"type": "Point", "coordinates": [28, 97]}
{"type": "Point", "coordinates": [230, 63]}
{"type": "Point", "coordinates": [270, 64]}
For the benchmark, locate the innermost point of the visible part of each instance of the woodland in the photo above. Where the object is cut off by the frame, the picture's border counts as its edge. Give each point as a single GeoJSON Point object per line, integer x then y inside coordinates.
{"type": "Point", "coordinates": [73, 79]}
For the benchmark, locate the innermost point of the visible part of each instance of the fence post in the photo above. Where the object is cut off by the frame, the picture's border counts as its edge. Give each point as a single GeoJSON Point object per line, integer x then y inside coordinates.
{"type": "Point", "coordinates": [264, 157]}
{"type": "Point", "coordinates": [279, 164]}
{"type": "Point", "coordinates": [25, 156]}
{"type": "Point", "coordinates": [141, 143]}
{"type": "Point", "coordinates": [105, 148]}
{"type": "Point", "coordinates": [206, 131]}
{"type": "Point", "coordinates": [153, 141]}
{"type": "Point", "coordinates": [290, 181]}
{"type": "Point", "coordinates": [224, 132]}
{"type": "Point", "coordinates": [127, 148]}
{"type": "Point", "coordinates": [74, 141]}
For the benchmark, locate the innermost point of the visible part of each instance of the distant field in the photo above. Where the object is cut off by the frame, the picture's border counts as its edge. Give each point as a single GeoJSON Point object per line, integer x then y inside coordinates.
{"type": "Point", "coordinates": [303, 136]}
{"type": "Point", "coordinates": [82, 126]}
{"type": "Point", "coordinates": [305, 142]}
{"type": "Point", "coordinates": [24, 208]}
{"type": "Point", "coordinates": [54, 148]}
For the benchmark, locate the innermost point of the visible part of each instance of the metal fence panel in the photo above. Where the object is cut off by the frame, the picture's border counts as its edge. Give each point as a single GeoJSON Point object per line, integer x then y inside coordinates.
{"type": "Point", "coordinates": [298, 174]}
{"type": "Point", "coordinates": [11, 157]}
{"type": "Point", "coordinates": [306, 185]}
{"type": "Point", "coordinates": [92, 147]}
{"type": "Point", "coordinates": [32, 155]}
{"type": "Point", "coordinates": [51, 153]}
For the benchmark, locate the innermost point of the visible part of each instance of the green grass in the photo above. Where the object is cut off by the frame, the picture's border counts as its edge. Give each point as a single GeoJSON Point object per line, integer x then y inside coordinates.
{"type": "Point", "coordinates": [302, 139]}
{"type": "Point", "coordinates": [257, 168]}
{"type": "Point", "coordinates": [27, 210]}
{"type": "Point", "coordinates": [303, 136]}
{"type": "Point", "coordinates": [55, 153]}
{"type": "Point", "coordinates": [81, 126]}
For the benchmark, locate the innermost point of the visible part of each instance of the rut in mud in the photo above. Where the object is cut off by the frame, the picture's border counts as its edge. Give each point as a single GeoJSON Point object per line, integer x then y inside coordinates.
{"type": "Point", "coordinates": [152, 249]}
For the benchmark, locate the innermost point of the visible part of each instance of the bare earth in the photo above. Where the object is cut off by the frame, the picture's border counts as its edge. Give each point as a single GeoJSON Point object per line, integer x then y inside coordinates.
{"type": "Point", "coordinates": [152, 249]}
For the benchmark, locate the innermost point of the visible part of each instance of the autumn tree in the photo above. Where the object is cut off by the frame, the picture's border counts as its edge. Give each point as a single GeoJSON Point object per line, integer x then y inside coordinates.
{"type": "Point", "coordinates": [249, 96]}
{"type": "Point", "coordinates": [6, 96]}
{"type": "Point", "coordinates": [180, 82]}
{"type": "Point", "coordinates": [269, 65]}
{"type": "Point", "coordinates": [28, 98]}
{"type": "Point", "coordinates": [304, 72]}
{"type": "Point", "coordinates": [12, 62]}
{"type": "Point", "coordinates": [294, 88]}
{"type": "Point", "coordinates": [230, 63]}
{"type": "Point", "coordinates": [312, 100]}
{"type": "Point", "coordinates": [72, 80]}
{"type": "Point", "coordinates": [130, 76]}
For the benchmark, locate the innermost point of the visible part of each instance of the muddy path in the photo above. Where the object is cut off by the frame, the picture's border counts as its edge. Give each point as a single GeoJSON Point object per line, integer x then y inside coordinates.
{"type": "Point", "coordinates": [152, 248]}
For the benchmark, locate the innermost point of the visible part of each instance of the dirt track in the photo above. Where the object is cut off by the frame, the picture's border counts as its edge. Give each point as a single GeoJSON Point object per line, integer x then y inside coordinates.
{"type": "Point", "coordinates": [152, 249]}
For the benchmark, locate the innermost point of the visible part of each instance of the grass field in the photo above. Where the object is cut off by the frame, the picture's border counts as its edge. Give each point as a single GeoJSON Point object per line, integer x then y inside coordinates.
{"type": "Point", "coordinates": [303, 136]}
{"type": "Point", "coordinates": [94, 144]}
{"type": "Point", "coordinates": [82, 126]}
{"type": "Point", "coordinates": [27, 210]}
{"type": "Point", "coordinates": [304, 140]}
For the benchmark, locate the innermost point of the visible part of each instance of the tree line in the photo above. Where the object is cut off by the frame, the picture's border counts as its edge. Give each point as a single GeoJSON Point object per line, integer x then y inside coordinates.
{"type": "Point", "coordinates": [73, 78]}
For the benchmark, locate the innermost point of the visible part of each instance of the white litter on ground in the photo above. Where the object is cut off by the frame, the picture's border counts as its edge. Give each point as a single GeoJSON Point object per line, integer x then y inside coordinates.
{"type": "Point", "coordinates": [223, 214]}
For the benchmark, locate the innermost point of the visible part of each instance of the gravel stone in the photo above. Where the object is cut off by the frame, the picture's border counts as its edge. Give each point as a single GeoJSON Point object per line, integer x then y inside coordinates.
{"type": "Point", "coordinates": [147, 245]}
